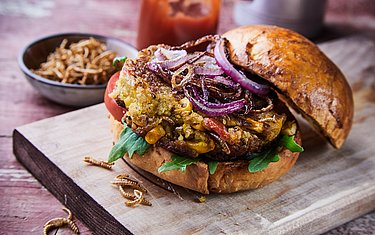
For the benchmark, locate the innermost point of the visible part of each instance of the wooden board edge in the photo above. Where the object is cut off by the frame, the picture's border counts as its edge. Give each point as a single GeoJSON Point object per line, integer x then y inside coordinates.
{"type": "Point", "coordinates": [349, 211]}
{"type": "Point", "coordinates": [93, 215]}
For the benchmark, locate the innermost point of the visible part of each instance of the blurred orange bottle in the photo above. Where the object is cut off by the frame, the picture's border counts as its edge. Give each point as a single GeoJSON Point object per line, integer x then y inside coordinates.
{"type": "Point", "coordinates": [174, 22]}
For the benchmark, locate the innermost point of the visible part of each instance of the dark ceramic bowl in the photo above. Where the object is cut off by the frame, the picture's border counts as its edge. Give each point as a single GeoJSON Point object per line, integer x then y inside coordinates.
{"type": "Point", "coordinates": [68, 94]}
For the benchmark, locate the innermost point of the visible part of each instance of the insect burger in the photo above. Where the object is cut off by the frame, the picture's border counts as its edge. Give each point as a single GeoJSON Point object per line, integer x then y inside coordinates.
{"type": "Point", "coordinates": [214, 120]}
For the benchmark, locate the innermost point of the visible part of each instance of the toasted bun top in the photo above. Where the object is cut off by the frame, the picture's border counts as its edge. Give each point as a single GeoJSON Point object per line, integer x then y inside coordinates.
{"type": "Point", "coordinates": [312, 83]}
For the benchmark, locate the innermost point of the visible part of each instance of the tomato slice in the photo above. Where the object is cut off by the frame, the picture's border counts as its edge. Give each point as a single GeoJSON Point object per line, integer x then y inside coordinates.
{"type": "Point", "coordinates": [114, 109]}
{"type": "Point", "coordinates": [217, 127]}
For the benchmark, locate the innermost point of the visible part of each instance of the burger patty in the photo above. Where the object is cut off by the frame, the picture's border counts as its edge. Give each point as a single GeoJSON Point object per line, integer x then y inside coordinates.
{"type": "Point", "coordinates": [164, 116]}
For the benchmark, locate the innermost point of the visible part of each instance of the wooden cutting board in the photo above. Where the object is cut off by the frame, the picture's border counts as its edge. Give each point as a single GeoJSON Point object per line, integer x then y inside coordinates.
{"type": "Point", "coordinates": [326, 188]}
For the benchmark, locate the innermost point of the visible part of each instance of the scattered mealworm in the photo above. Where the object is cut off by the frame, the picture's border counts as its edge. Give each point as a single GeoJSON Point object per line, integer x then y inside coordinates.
{"type": "Point", "coordinates": [104, 164]}
{"type": "Point", "coordinates": [133, 197]}
{"type": "Point", "coordinates": [138, 197]}
{"type": "Point", "coordinates": [127, 177]}
{"type": "Point", "coordinates": [138, 193]}
{"type": "Point", "coordinates": [138, 200]}
{"type": "Point", "coordinates": [70, 215]}
{"type": "Point", "coordinates": [121, 181]}
{"type": "Point", "coordinates": [123, 176]}
{"type": "Point", "coordinates": [131, 183]}
{"type": "Point", "coordinates": [60, 222]}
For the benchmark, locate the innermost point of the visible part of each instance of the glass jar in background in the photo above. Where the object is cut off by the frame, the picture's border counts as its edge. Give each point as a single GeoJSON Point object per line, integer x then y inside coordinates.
{"type": "Point", "coordinates": [174, 22]}
{"type": "Point", "coordinates": [303, 16]}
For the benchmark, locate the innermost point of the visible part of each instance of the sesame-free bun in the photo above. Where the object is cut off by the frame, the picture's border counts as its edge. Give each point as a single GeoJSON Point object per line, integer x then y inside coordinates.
{"type": "Point", "coordinates": [297, 69]}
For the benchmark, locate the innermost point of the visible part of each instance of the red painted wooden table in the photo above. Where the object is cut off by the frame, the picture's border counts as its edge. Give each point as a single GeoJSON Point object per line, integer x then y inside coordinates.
{"type": "Point", "coordinates": [25, 204]}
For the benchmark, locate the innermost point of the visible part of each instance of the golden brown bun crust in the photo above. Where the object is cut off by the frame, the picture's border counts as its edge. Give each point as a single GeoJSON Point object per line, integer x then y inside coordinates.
{"type": "Point", "coordinates": [300, 72]}
{"type": "Point", "coordinates": [229, 176]}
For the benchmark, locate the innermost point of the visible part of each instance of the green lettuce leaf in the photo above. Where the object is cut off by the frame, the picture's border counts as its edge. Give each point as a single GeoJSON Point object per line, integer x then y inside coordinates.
{"type": "Point", "coordinates": [129, 143]}
{"type": "Point", "coordinates": [289, 143]}
{"type": "Point", "coordinates": [212, 165]}
{"type": "Point", "coordinates": [257, 162]}
{"type": "Point", "coordinates": [260, 161]}
{"type": "Point", "coordinates": [180, 163]}
{"type": "Point", "coordinates": [118, 60]}
{"type": "Point", "coordinates": [177, 163]}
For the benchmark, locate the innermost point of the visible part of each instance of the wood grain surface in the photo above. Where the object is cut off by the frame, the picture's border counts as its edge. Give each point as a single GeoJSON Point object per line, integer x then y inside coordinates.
{"type": "Point", "coordinates": [25, 204]}
{"type": "Point", "coordinates": [326, 188]}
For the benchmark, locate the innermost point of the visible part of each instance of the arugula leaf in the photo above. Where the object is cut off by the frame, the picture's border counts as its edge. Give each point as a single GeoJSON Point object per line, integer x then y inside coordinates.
{"type": "Point", "coordinates": [262, 160]}
{"type": "Point", "coordinates": [177, 163]}
{"type": "Point", "coordinates": [180, 163]}
{"type": "Point", "coordinates": [143, 146]}
{"type": "Point", "coordinates": [275, 158]}
{"type": "Point", "coordinates": [118, 60]}
{"type": "Point", "coordinates": [289, 143]}
{"type": "Point", "coordinates": [129, 142]}
{"type": "Point", "coordinates": [212, 165]}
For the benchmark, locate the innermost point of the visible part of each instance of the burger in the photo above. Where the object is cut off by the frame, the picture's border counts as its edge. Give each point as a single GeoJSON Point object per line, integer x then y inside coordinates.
{"type": "Point", "coordinates": [212, 115]}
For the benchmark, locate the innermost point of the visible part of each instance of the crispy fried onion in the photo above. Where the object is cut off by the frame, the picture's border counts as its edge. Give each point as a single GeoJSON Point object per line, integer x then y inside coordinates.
{"type": "Point", "coordinates": [265, 109]}
{"type": "Point", "coordinates": [182, 76]}
{"type": "Point", "coordinates": [187, 45]}
{"type": "Point", "coordinates": [204, 81]}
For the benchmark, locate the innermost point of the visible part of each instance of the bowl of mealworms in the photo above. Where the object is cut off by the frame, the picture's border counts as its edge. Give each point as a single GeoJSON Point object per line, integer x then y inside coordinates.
{"type": "Point", "coordinates": [72, 68]}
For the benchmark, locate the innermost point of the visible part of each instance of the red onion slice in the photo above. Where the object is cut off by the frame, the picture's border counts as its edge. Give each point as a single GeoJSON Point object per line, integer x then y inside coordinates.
{"type": "Point", "coordinates": [213, 109]}
{"type": "Point", "coordinates": [223, 80]}
{"type": "Point", "coordinates": [159, 55]}
{"type": "Point", "coordinates": [207, 59]}
{"type": "Point", "coordinates": [238, 77]}
{"type": "Point", "coordinates": [172, 64]}
{"type": "Point", "coordinates": [204, 89]}
{"type": "Point", "coordinates": [206, 70]}
{"type": "Point", "coordinates": [166, 54]}
{"type": "Point", "coordinates": [158, 70]}
{"type": "Point", "coordinates": [152, 66]}
{"type": "Point", "coordinates": [206, 65]}
{"type": "Point", "coordinates": [170, 59]}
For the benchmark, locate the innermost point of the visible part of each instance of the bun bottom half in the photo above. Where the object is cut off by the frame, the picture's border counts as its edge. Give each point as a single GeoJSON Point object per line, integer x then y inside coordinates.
{"type": "Point", "coordinates": [229, 176]}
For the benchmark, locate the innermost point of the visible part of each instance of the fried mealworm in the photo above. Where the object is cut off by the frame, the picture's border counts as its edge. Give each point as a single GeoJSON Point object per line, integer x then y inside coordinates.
{"type": "Point", "coordinates": [70, 215]}
{"type": "Point", "coordinates": [133, 197]}
{"type": "Point", "coordinates": [86, 62]}
{"type": "Point", "coordinates": [131, 183]}
{"type": "Point", "coordinates": [122, 176]}
{"type": "Point", "coordinates": [60, 222]}
{"type": "Point", "coordinates": [104, 164]}
{"type": "Point", "coordinates": [126, 177]}
{"type": "Point", "coordinates": [139, 199]}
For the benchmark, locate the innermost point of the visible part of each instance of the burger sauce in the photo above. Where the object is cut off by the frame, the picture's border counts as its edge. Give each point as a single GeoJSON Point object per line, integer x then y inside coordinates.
{"type": "Point", "coordinates": [174, 22]}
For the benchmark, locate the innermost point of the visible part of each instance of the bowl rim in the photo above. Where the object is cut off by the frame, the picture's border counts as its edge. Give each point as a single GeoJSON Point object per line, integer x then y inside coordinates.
{"type": "Point", "coordinates": [41, 79]}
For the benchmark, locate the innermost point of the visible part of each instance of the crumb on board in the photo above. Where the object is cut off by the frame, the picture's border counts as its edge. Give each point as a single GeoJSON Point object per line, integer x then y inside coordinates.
{"type": "Point", "coordinates": [200, 199]}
